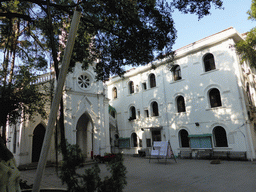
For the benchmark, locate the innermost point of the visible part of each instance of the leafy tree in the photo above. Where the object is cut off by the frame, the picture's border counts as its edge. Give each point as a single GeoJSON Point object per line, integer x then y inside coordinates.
{"type": "Point", "coordinates": [19, 40]}
{"type": "Point", "coordinates": [247, 47]}
{"type": "Point", "coordinates": [90, 180]}
{"type": "Point", "coordinates": [116, 33]}
{"type": "Point", "coordinates": [121, 32]}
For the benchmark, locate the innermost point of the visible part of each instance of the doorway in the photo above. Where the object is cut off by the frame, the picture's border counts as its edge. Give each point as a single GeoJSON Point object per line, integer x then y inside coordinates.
{"type": "Point", "coordinates": [156, 135]}
{"type": "Point", "coordinates": [84, 134]}
{"type": "Point", "coordinates": [37, 143]}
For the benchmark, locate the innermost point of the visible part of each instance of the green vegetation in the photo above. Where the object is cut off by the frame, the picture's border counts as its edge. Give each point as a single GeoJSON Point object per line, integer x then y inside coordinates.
{"type": "Point", "coordinates": [247, 47]}
{"type": "Point", "coordinates": [107, 32]}
{"type": "Point", "coordinates": [90, 181]}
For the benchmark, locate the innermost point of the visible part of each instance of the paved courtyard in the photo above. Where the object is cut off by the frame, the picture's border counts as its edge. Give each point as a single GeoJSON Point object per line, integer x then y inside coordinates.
{"type": "Point", "coordinates": [185, 175]}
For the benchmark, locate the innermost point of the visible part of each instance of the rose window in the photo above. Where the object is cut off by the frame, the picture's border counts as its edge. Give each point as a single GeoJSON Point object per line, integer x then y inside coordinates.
{"type": "Point", "coordinates": [83, 81]}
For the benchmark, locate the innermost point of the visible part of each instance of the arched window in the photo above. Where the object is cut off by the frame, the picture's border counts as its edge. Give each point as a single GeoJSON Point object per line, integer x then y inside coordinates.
{"type": "Point", "coordinates": [176, 72]}
{"type": "Point", "coordinates": [131, 87]}
{"type": "Point", "coordinates": [181, 104]}
{"type": "Point", "coordinates": [209, 63]}
{"type": "Point", "coordinates": [215, 99]}
{"type": "Point", "coordinates": [134, 140]}
{"type": "Point", "coordinates": [132, 113]}
{"type": "Point", "coordinates": [248, 93]}
{"type": "Point", "coordinates": [114, 93]}
{"type": "Point", "coordinates": [183, 137]}
{"type": "Point", "coordinates": [220, 137]}
{"type": "Point", "coordinates": [152, 80]}
{"type": "Point", "coordinates": [154, 107]}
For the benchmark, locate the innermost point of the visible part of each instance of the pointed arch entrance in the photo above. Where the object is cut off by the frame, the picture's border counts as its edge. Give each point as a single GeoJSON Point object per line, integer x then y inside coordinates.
{"type": "Point", "coordinates": [84, 134]}
{"type": "Point", "coordinates": [37, 143]}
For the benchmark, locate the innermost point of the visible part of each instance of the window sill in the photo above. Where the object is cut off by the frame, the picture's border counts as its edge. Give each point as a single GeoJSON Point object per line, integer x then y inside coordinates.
{"type": "Point", "coordinates": [184, 149]}
{"type": "Point", "coordinates": [155, 116]}
{"type": "Point", "coordinates": [215, 108]}
{"type": "Point", "coordinates": [132, 120]}
{"type": "Point", "coordinates": [132, 94]}
{"type": "Point", "coordinates": [150, 88]}
{"type": "Point", "coordinates": [177, 81]}
{"type": "Point", "coordinates": [180, 113]}
{"type": "Point", "coordinates": [222, 148]}
{"type": "Point", "coordinates": [211, 71]}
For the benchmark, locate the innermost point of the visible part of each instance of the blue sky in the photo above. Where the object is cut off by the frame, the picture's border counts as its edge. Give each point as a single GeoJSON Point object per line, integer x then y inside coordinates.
{"type": "Point", "coordinates": [189, 29]}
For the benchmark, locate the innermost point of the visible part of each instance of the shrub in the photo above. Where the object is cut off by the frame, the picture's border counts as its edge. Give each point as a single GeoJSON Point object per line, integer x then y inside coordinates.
{"type": "Point", "coordinates": [90, 181]}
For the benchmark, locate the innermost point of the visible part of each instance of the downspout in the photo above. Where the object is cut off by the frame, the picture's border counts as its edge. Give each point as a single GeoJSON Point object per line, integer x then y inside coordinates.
{"type": "Point", "coordinates": [245, 116]}
{"type": "Point", "coordinates": [166, 106]}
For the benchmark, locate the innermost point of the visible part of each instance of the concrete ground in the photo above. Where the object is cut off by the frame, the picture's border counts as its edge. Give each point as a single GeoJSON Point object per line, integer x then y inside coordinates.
{"type": "Point", "coordinates": [185, 175]}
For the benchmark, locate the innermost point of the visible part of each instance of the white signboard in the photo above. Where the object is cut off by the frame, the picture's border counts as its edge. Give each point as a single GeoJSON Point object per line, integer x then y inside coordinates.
{"type": "Point", "coordinates": [159, 148]}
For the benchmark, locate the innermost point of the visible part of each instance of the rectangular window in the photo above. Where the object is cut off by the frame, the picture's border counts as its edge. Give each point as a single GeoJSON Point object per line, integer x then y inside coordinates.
{"type": "Point", "coordinates": [138, 113]}
{"type": "Point", "coordinates": [148, 142]}
{"type": "Point", "coordinates": [137, 88]}
{"type": "Point", "coordinates": [140, 142]}
{"type": "Point", "coordinates": [156, 135]}
{"type": "Point", "coordinates": [200, 141]}
{"type": "Point", "coordinates": [146, 113]}
{"type": "Point", "coordinates": [124, 142]}
{"type": "Point", "coordinates": [144, 86]}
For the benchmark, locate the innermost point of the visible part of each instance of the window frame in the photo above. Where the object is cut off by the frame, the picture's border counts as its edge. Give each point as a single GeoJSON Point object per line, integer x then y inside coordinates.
{"type": "Point", "coordinates": [114, 93]}
{"type": "Point", "coordinates": [146, 113]}
{"type": "Point", "coordinates": [181, 140]}
{"type": "Point", "coordinates": [209, 63]}
{"type": "Point", "coordinates": [131, 87]}
{"type": "Point", "coordinates": [221, 140]}
{"type": "Point", "coordinates": [152, 80]}
{"type": "Point", "coordinates": [132, 114]}
{"type": "Point", "coordinates": [214, 99]}
{"type": "Point", "coordinates": [154, 109]}
{"type": "Point", "coordinates": [180, 108]}
{"type": "Point", "coordinates": [176, 73]}
{"type": "Point", "coordinates": [134, 140]}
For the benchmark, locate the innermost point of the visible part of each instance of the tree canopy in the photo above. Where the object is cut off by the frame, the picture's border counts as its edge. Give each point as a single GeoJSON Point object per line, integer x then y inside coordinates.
{"type": "Point", "coordinates": [115, 33]}
{"type": "Point", "coordinates": [247, 48]}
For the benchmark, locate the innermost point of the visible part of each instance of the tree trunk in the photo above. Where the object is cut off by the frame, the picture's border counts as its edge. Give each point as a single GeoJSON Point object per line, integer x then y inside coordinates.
{"type": "Point", "coordinates": [56, 63]}
{"type": "Point", "coordinates": [13, 49]}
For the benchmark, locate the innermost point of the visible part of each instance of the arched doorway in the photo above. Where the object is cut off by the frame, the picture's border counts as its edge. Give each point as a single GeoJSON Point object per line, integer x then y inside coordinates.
{"type": "Point", "coordinates": [184, 140]}
{"type": "Point", "coordinates": [84, 134]}
{"type": "Point", "coordinates": [37, 143]}
{"type": "Point", "coordinates": [220, 137]}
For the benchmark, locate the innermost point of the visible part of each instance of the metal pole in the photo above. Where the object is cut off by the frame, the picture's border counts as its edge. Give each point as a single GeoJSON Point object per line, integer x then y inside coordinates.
{"type": "Point", "coordinates": [56, 101]}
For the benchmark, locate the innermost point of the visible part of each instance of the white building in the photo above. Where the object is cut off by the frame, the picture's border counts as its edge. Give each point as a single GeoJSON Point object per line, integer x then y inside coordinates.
{"type": "Point", "coordinates": [205, 99]}
{"type": "Point", "coordinates": [86, 120]}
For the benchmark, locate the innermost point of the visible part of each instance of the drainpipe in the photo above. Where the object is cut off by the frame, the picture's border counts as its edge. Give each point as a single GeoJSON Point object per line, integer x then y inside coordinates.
{"type": "Point", "coordinates": [166, 106]}
{"type": "Point", "coordinates": [247, 127]}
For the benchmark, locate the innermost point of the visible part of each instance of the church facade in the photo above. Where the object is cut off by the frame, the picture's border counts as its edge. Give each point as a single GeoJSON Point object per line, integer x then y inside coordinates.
{"type": "Point", "coordinates": [203, 100]}
{"type": "Point", "coordinates": [86, 120]}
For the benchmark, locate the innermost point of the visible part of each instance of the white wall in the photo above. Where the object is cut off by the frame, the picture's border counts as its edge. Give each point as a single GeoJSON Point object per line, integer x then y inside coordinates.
{"type": "Point", "coordinates": [194, 87]}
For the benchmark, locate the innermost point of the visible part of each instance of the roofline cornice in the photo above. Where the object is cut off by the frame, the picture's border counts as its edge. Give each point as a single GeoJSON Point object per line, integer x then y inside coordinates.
{"type": "Point", "coordinates": [183, 51]}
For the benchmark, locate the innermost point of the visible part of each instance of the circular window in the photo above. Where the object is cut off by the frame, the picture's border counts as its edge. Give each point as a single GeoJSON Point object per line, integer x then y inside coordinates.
{"type": "Point", "coordinates": [83, 81]}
